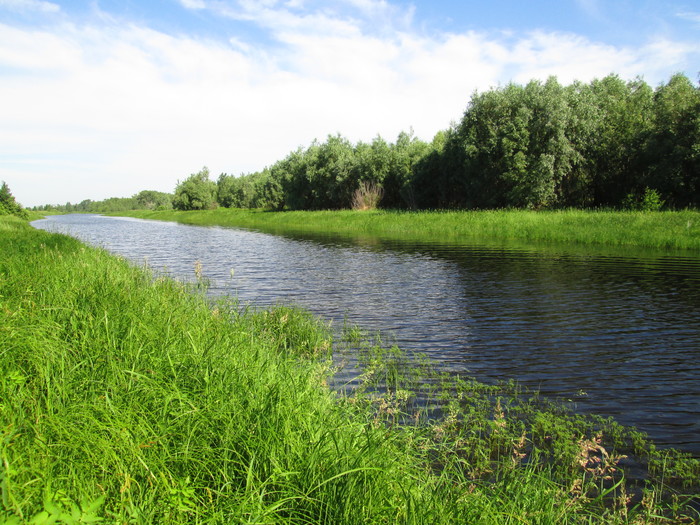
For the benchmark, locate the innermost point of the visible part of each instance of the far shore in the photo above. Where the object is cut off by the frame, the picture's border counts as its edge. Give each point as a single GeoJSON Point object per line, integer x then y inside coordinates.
{"type": "Point", "coordinates": [676, 230]}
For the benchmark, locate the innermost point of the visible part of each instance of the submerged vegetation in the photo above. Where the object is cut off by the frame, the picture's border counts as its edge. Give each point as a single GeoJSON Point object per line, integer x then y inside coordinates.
{"type": "Point", "coordinates": [127, 397]}
{"type": "Point", "coordinates": [668, 229]}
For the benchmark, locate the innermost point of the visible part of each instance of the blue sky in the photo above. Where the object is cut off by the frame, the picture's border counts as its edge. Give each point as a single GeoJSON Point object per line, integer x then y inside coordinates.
{"type": "Point", "coordinates": [107, 98]}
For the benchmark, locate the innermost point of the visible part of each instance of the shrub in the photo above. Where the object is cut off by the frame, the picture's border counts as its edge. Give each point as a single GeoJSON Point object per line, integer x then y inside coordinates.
{"type": "Point", "coordinates": [650, 200]}
{"type": "Point", "coordinates": [367, 196]}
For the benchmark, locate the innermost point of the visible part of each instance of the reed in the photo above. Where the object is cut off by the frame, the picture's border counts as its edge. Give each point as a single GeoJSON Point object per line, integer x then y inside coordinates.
{"type": "Point", "coordinates": [678, 230]}
{"type": "Point", "coordinates": [127, 397]}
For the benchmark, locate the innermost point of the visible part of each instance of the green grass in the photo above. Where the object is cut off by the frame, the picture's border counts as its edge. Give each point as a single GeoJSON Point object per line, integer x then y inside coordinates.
{"type": "Point", "coordinates": [678, 230]}
{"type": "Point", "coordinates": [130, 398]}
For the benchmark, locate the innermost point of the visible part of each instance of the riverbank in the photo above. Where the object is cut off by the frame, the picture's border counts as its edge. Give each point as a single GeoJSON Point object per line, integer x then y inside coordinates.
{"type": "Point", "coordinates": [678, 230]}
{"type": "Point", "coordinates": [130, 397]}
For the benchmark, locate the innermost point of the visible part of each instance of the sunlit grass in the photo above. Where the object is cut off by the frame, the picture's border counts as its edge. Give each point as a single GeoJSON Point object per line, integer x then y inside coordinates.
{"type": "Point", "coordinates": [678, 230]}
{"type": "Point", "coordinates": [131, 398]}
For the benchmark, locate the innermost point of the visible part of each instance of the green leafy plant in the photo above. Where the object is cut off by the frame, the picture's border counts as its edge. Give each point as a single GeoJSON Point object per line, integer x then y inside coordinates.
{"type": "Point", "coordinates": [649, 200]}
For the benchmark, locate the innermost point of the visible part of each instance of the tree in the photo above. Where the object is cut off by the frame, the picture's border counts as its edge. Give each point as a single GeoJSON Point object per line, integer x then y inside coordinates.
{"type": "Point", "coordinates": [624, 120]}
{"type": "Point", "coordinates": [404, 154]}
{"type": "Point", "coordinates": [518, 148]}
{"type": "Point", "coordinates": [154, 200]}
{"type": "Point", "coordinates": [673, 147]}
{"type": "Point", "coordinates": [330, 173]}
{"type": "Point", "coordinates": [430, 173]}
{"type": "Point", "coordinates": [196, 192]}
{"type": "Point", "coordinates": [292, 175]}
{"type": "Point", "coordinates": [245, 191]}
{"type": "Point", "coordinates": [226, 191]}
{"type": "Point", "coordinates": [8, 204]}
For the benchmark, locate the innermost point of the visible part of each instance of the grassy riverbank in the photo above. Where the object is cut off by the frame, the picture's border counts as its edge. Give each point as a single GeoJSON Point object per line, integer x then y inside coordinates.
{"type": "Point", "coordinates": [131, 398]}
{"type": "Point", "coordinates": [674, 230]}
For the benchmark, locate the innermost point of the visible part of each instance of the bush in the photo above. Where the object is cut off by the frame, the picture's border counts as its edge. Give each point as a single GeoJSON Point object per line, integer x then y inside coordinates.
{"type": "Point", "coordinates": [650, 200]}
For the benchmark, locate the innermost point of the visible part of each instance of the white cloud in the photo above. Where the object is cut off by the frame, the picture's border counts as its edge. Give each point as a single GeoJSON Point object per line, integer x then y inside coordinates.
{"type": "Point", "coordinates": [569, 57]}
{"type": "Point", "coordinates": [691, 16]}
{"type": "Point", "coordinates": [193, 4]}
{"type": "Point", "coordinates": [30, 5]}
{"type": "Point", "coordinates": [110, 109]}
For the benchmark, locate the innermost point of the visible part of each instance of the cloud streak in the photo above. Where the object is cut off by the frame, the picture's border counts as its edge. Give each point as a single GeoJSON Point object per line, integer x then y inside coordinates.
{"type": "Point", "coordinates": [30, 5]}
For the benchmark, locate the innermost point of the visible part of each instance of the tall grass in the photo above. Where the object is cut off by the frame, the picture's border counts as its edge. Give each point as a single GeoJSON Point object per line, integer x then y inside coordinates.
{"type": "Point", "coordinates": [668, 229]}
{"type": "Point", "coordinates": [130, 398]}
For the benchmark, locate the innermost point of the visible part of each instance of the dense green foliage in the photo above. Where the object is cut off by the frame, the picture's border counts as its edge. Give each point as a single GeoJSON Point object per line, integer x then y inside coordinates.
{"type": "Point", "coordinates": [196, 192]}
{"type": "Point", "coordinates": [144, 200]}
{"type": "Point", "coordinates": [668, 229]}
{"type": "Point", "coordinates": [8, 204]}
{"type": "Point", "coordinates": [543, 145]}
{"type": "Point", "coordinates": [129, 398]}
{"type": "Point", "coordinates": [327, 175]}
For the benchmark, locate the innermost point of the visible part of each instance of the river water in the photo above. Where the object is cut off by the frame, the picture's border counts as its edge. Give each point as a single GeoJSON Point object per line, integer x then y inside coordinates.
{"type": "Point", "coordinates": [615, 331]}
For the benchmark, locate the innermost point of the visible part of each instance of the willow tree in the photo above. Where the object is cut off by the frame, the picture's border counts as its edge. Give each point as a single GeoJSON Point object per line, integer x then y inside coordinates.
{"type": "Point", "coordinates": [673, 148]}
{"type": "Point", "coordinates": [196, 192]}
{"type": "Point", "coordinates": [517, 146]}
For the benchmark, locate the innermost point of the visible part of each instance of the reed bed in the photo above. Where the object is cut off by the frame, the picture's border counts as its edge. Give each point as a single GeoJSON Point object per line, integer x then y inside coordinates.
{"type": "Point", "coordinates": [128, 397]}
{"type": "Point", "coordinates": [678, 230]}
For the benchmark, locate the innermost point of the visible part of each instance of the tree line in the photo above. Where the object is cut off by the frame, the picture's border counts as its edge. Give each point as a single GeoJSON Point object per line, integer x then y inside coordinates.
{"type": "Point", "coordinates": [144, 200]}
{"type": "Point", "coordinates": [607, 143]}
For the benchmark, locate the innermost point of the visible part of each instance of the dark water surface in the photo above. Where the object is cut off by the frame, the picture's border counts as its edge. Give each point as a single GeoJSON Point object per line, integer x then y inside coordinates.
{"type": "Point", "coordinates": [617, 331]}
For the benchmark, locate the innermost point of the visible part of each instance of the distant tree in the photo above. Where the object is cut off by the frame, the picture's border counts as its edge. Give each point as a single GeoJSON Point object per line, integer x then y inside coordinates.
{"type": "Point", "coordinates": [245, 191]}
{"type": "Point", "coordinates": [196, 192]}
{"type": "Point", "coordinates": [403, 155]}
{"type": "Point", "coordinates": [575, 185]}
{"type": "Point", "coordinates": [85, 206]}
{"type": "Point", "coordinates": [673, 148]}
{"type": "Point", "coordinates": [426, 174]}
{"type": "Point", "coordinates": [8, 204]}
{"type": "Point", "coordinates": [226, 191]}
{"type": "Point", "coordinates": [494, 135]}
{"type": "Point", "coordinates": [113, 204]}
{"type": "Point", "coordinates": [153, 200]}
{"type": "Point", "coordinates": [623, 122]}
{"type": "Point", "coordinates": [517, 148]}
{"type": "Point", "coordinates": [290, 176]}
{"type": "Point", "coordinates": [330, 167]}
{"type": "Point", "coordinates": [371, 162]}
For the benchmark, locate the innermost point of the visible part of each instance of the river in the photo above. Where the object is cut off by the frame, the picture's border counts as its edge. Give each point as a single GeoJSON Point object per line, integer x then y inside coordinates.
{"type": "Point", "coordinates": [615, 331]}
